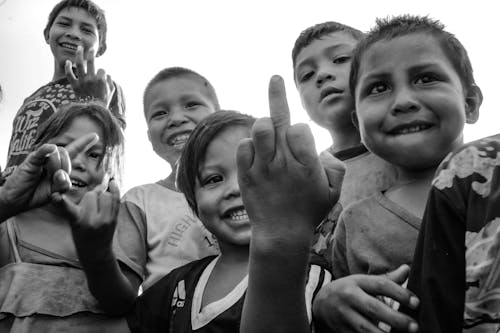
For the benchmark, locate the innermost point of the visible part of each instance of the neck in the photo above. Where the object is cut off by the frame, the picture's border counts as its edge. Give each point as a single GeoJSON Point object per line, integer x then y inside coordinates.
{"type": "Point", "coordinates": [59, 71]}
{"type": "Point", "coordinates": [424, 177]}
{"type": "Point", "coordinates": [345, 138]}
{"type": "Point", "coordinates": [44, 213]}
{"type": "Point", "coordinates": [234, 254]}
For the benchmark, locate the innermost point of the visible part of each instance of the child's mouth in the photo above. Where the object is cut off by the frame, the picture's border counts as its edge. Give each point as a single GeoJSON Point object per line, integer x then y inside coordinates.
{"type": "Point", "coordinates": [69, 46]}
{"type": "Point", "coordinates": [401, 130]}
{"type": "Point", "coordinates": [237, 214]}
{"type": "Point", "coordinates": [179, 141]}
{"type": "Point", "coordinates": [78, 183]}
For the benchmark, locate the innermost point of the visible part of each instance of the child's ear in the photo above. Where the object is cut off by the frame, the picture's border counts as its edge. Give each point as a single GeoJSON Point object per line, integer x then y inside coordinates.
{"type": "Point", "coordinates": [473, 101]}
{"type": "Point", "coordinates": [354, 119]}
{"type": "Point", "coordinates": [149, 137]}
{"type": "Point", "coordinates": [46, 37]}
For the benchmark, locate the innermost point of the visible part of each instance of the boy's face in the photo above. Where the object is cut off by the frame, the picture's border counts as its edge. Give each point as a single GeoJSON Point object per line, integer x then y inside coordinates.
{"type": "Point", "coordinates": [173, 108]}
{"type": "Point", "coordinates": [217, 193]}
{"type": "Point", "coordinates": [86, 170]}
{"type": "Point", "coordinates": [322, 77]}
{"type": "Point", "coordinates": [410, 102]}
{"type": "Point", "coordinates": [72, 27]}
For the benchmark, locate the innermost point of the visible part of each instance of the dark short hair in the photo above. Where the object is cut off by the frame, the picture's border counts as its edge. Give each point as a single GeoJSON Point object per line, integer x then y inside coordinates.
{"type": "Point", "coordinates": [195, 149]}
{"type": "Point", "coordinates": [94, 10]}
{"type": "Point", "coordinates": [175, 72]}
{"type": "Point", "coordinates": [112, 133]}
{"type": "Point", "coordinates": [319, 30]}
{"type": "Point", "coordinates": [389, 28]}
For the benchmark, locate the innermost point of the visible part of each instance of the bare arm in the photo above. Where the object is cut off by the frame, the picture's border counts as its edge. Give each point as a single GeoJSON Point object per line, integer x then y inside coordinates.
{"type": "Point", "coordinates": [286, 192]}
{"type": "Point", "coordinates": [93, 223]}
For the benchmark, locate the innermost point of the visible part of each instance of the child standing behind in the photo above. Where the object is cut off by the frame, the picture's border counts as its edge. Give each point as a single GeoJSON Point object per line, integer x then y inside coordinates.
{"type": "Point", "coordinates": [455, 271]}
{"type": "Point", "coordinates": [76, 34]}
{"type": "Point", "coordinates": [208, 294]}
{"type": "Point", "coordinates": [414, 91]}
{"type": "Point", "coordinates": [321, 65]}
{"type": "Point", "coordinates": [175, 101]}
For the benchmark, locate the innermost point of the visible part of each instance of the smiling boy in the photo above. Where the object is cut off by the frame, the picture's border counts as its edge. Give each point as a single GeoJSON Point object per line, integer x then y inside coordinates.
{"type": "Point", "coordinates": [175, 101]}
{"type": "Point", "coordinates": [76, 33]}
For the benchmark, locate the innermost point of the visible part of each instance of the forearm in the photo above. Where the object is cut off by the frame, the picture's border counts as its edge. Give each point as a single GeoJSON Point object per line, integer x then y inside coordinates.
{"type": "Point", "coordinates": [275, 300]}
{"type": "Point", "coordinates": [108, 284]}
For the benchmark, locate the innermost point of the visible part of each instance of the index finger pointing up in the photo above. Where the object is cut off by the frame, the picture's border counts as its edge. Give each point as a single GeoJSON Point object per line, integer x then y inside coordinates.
{"type": "Point", "coordinates": [278, 105]}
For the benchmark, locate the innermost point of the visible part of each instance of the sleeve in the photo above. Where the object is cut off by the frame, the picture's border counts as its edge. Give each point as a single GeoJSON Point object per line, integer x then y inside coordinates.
{"type": "Point", "coordinates": [437, 276]}
{"type": "Point", "coordinates": [131, 236]}
{"type": "Point", "coordinates": [117, 105]}
{"type": "Point", "coordinates": [318, 277]}
{"type": "Point", "coordinates": [340, 266]}
{"type": "Point", "coordinates": [152, 310]}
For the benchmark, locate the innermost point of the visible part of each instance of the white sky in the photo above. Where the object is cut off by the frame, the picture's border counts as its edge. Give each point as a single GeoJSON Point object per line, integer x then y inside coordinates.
{"type": "Point", "coordinates": [237, 45]}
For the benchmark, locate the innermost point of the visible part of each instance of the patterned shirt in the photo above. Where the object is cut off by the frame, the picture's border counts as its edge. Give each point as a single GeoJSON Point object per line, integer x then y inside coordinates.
{"type": "Point", "coordinates": [456, 268]}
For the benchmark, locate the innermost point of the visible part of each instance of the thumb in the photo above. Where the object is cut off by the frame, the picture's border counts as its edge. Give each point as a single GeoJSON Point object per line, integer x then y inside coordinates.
{"type": "Point", "coordinates": [400, 274]}
{"type": "Point", "coordinates": [335, 171]}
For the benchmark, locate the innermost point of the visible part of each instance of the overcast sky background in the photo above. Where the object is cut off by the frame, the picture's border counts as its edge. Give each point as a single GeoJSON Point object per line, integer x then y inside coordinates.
{"type": "Point", "coordinates": [237, 45]}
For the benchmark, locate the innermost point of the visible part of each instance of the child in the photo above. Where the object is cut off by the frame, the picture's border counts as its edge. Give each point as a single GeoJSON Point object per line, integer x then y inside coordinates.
{"type": "Point", "coordinates": [457, 284]}
{"type": "Point", "coordinates": [208, 294]}
{"type": "Point", "coordinates": [42, 285]}
{"type": "Point", "coordinates": [175, 101]}
{"type": "Point", "coordinates": [321, 65]}
{"type": "Point", "coordinates": [414, 91]}
{"type": "Point", "coordinates": [76, 33]}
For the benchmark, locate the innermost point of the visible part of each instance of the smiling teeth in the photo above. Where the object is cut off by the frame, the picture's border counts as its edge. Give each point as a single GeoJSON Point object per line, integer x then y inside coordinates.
{"type": "Point", "coordinates": [78, 183]}
{"type": "Point", "coordinates": [179, 140]}
{"type": "Point", "coordinates": [412, 129]}
{"type": "Point", "coordinates": [239, 215]}
{"type": "Point", "coordinates": [69, 46]}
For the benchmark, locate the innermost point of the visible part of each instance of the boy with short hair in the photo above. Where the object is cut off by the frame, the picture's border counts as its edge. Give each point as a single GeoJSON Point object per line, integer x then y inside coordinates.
{"type": "Point", "coordinates": [175, 101]}
{"type": "Point", "coordinates": [414, 91]}
{"type": "Point", "coordinates": [455, 270]}
{"type": "Point", "coordinates": [76, 33]}
{"type": "Point", "coordinates": [321, 63]}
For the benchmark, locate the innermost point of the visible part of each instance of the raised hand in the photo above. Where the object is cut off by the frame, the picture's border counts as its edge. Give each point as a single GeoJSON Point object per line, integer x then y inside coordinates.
{"type": "Point", "coordinates": [352, 304]}
{"type": "Point", "coordinates": [86, 82]}
{"type": "Point", "coordinates": [93, 222]}
{"type": "Point", "coordinates": [287, 192]}
{"type": "Point", "coordinates": [43, 175]}
{"type": "Point", "coordinates": [284, 186]}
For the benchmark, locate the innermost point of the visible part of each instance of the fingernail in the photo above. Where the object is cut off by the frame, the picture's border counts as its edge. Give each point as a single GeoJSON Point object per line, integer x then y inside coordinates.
{"type": "Point", "coordinates": [413, 327]}
{"type": "Point", "coordinates": [79, 48]}
{"type": "Point", "coordinates": [275, 78]}
{"type": "Point", "coordinates": [414, 302]}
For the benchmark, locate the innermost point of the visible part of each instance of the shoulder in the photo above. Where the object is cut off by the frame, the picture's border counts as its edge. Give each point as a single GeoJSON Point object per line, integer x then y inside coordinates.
{"type": "Point", "coordinates": [475, 161]}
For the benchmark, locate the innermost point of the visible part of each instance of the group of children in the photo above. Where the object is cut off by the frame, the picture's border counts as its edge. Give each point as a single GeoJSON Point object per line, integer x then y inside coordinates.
{"type": "Point", "coordinates": [253, 231]}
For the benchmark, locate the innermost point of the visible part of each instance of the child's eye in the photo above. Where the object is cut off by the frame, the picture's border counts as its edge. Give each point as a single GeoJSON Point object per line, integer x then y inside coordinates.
{"type": "Point", "coordinates": [159, 114]}
{"type": "Point", "coordinates": [377, 88]}
{"type": "Point", "coordinates": [95, 155]}
{"type": "Point", "coordinates": [341, 59]}
{"type": "Point", "coordinates": [426, 78]}
{"type": "Point", "coordinates": [306, 76]}
{"type": "Point", "coordinates": [88, 31]}
{"type": "Point", "coordinates": [211, 180]}
{"type": "Point", "coordinates": [192, 104]}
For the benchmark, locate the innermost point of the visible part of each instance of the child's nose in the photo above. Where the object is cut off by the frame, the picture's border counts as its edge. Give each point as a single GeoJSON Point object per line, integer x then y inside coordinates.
{"type": "Point", "coordinates": [405, 101]}
{"type": "Point", "coordinates": [233, 188]}
{"type": "Point", "coordinates": [323, 77]}
{"type": "Point", "coordinates": [78, 162]}
{"type": "Point", "coordinates": [72, 32]}
{"type": "Point", "coordinates": [176, 118]}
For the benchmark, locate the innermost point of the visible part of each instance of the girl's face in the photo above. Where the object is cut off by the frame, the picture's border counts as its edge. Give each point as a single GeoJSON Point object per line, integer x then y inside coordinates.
{"type": "Point", "coordinates": [87, 169]}
{"type": "Point", "coordinates": [217, 193]}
